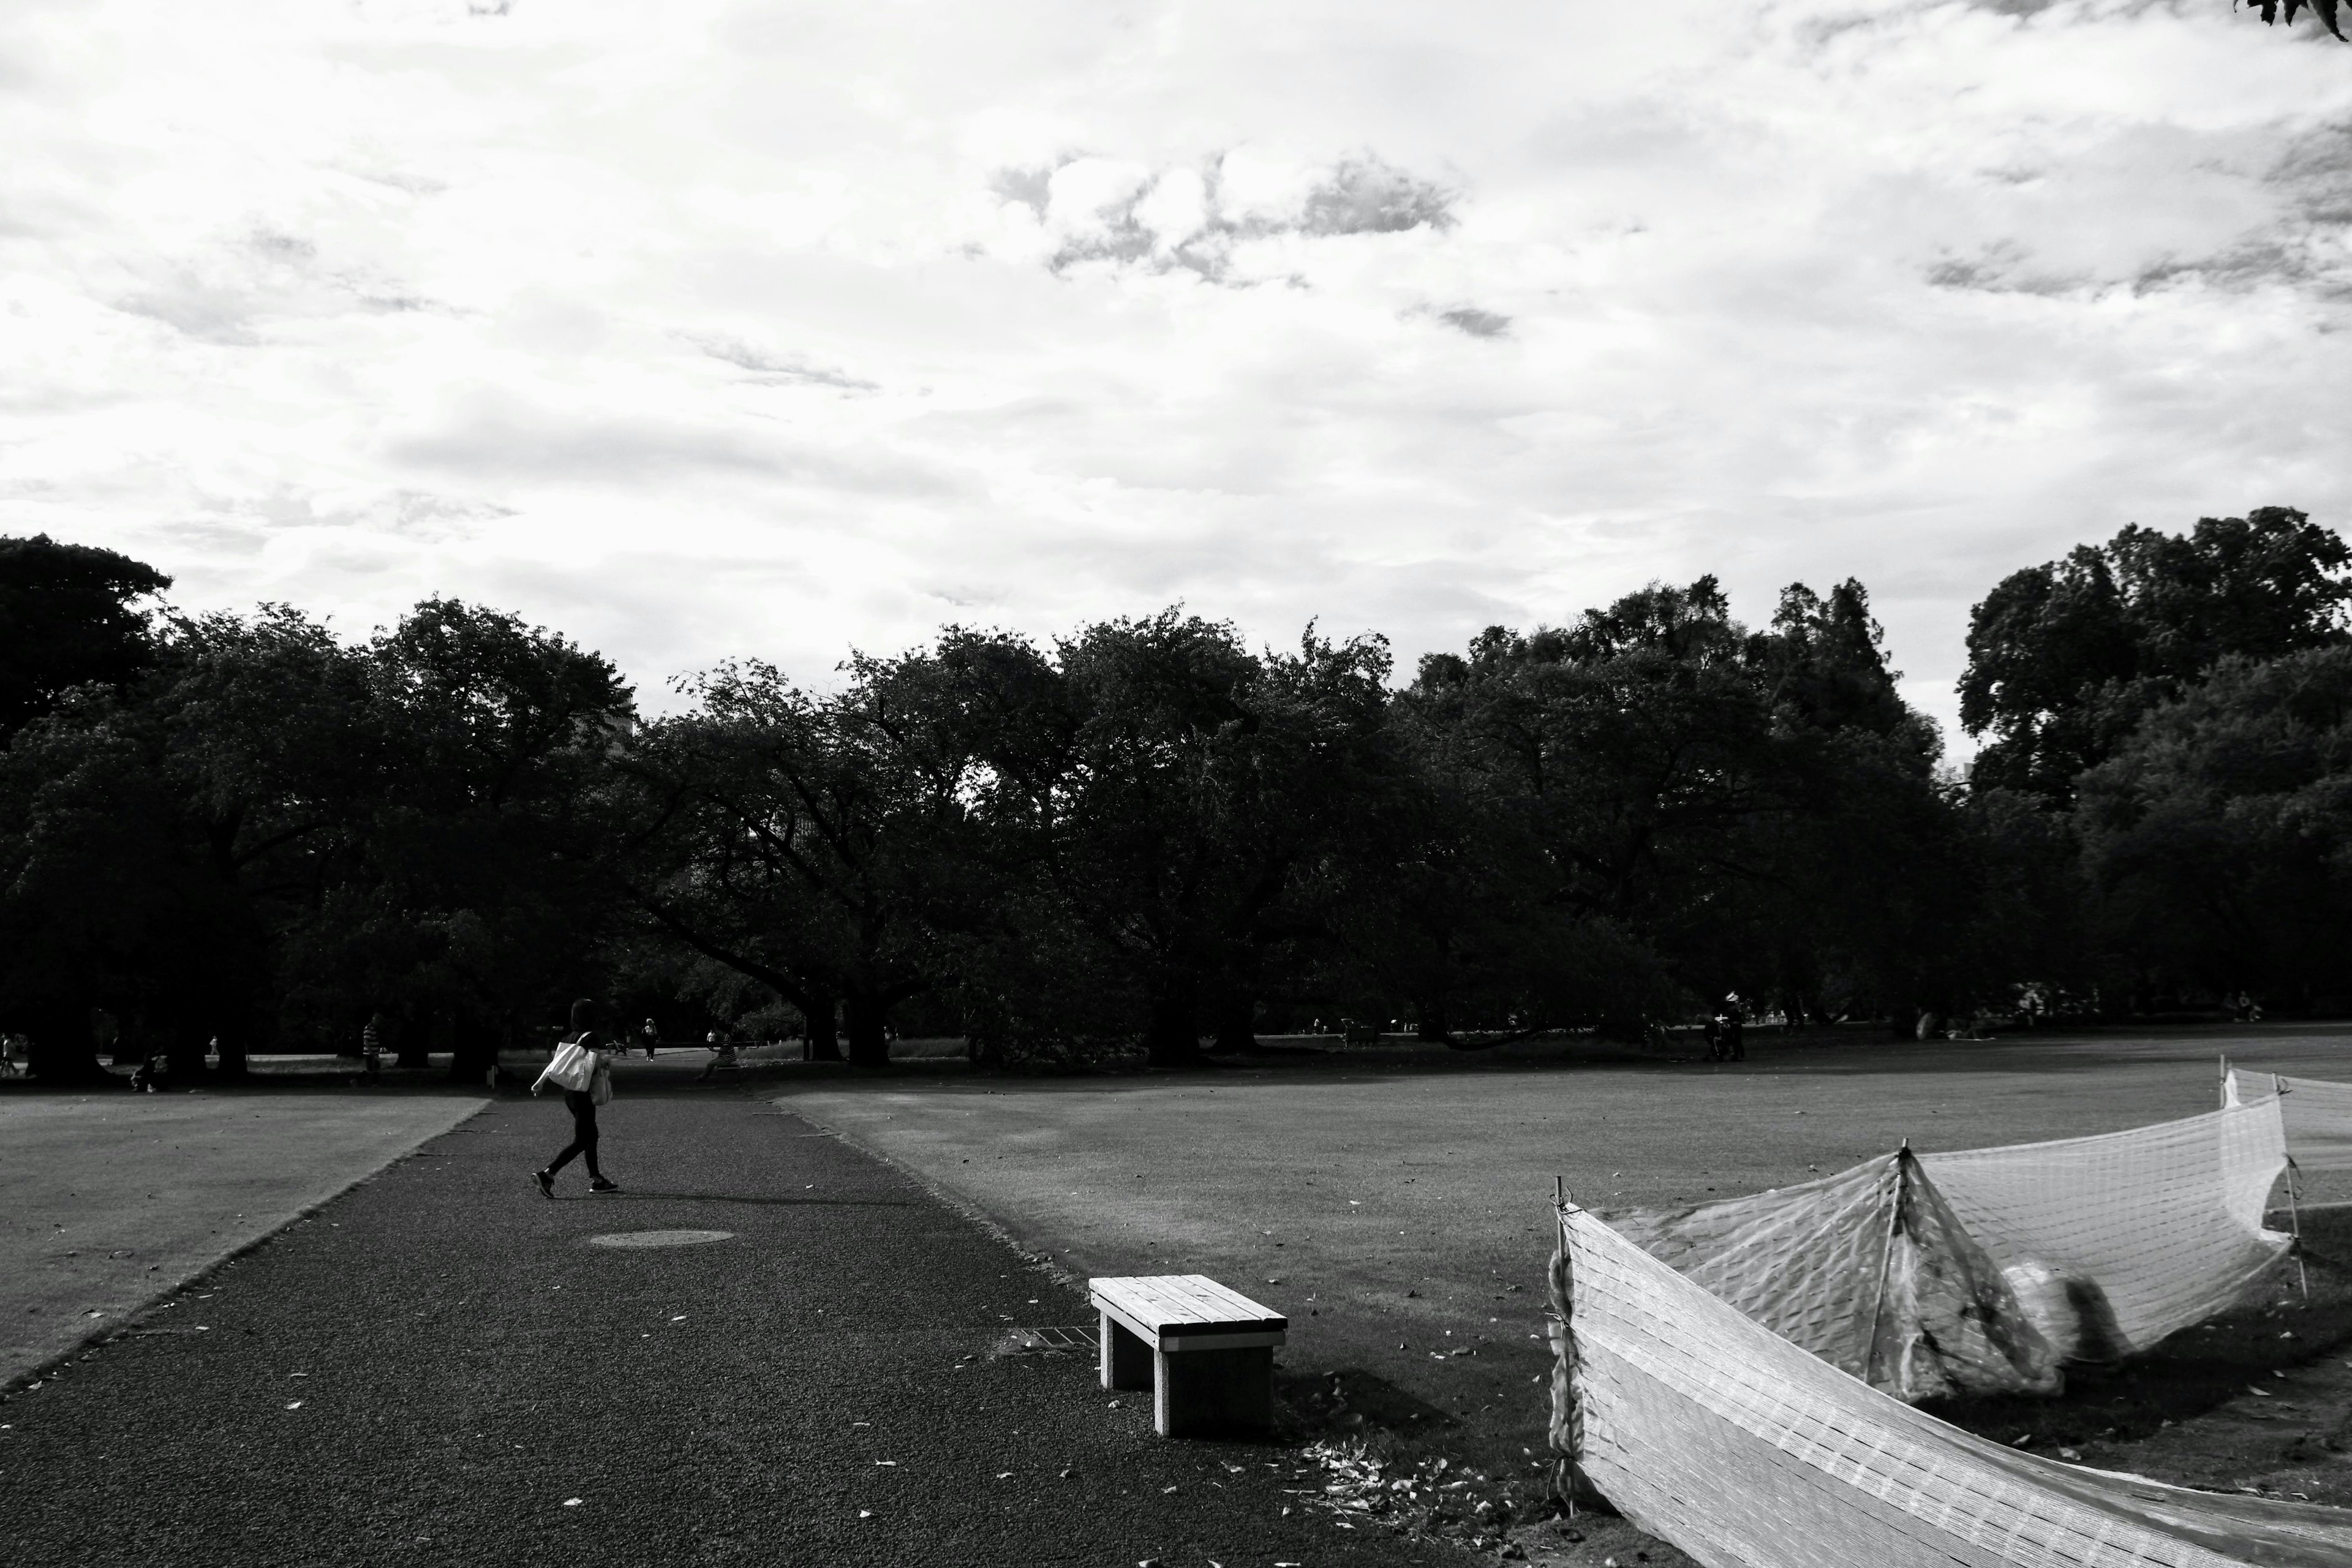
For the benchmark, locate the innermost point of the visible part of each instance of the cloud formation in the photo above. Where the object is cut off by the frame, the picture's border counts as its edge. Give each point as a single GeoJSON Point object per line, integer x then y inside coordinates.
{"type": "Point", "coordinates": [1097, 209]}
{"type": "Point", "coordinates": [769, 329]}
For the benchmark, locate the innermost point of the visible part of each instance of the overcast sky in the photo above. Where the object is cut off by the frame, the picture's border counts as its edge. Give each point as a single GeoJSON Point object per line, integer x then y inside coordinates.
{"type": "Point", "coordinates": [709, 327]}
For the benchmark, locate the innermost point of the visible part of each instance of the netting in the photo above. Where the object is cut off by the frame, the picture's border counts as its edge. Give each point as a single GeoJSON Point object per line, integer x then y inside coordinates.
{"type": "Point", "coordinates": [1715, 1434]}
{"type": "Point", "coordinates": [2116, 1241]}
{"type": "Point", "coordinates": [1984, 1270]}
{"type": "Point", "coordinates": [2318, 1113]}
{"type": "Point", "coordinates": [1868, 1269]}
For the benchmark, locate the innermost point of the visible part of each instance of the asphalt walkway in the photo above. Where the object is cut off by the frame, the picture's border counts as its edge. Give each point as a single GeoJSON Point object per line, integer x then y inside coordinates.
{"type": "Point", "coordinates": [440, 1367]}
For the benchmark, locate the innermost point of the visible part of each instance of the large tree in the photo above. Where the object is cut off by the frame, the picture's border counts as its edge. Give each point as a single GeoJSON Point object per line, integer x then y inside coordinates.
{"type": "Point", "coordinates": [827, 845]}
{"type": "Point", "coordinates": [2217, 841]}
{"type": "Point", "coordinates": [67, 618]}
{"type": "Point", "coordinates": [484, 893]}
{"type": "Point", "coordinates": [1199, 787]}
{"type": "Point", "coordinates": [162, 836]}
{"type": "Point", "coordinates": [1652, 804]}
{"type": "Point", "coordinates": [2064, 658]}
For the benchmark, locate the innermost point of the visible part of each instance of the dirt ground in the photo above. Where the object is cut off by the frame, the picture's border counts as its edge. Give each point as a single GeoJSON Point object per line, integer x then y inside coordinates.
{"type": "Point", "coordinates": [1394, 1203]}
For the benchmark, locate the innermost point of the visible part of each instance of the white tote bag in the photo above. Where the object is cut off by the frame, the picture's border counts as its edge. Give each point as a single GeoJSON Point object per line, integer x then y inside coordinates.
{"type": "Point", "coordinates": [572, 1066]}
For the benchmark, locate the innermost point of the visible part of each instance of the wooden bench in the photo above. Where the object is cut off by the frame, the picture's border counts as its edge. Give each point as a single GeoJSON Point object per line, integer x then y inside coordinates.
{"type": "Point", "coordinates": [1205, 1351]}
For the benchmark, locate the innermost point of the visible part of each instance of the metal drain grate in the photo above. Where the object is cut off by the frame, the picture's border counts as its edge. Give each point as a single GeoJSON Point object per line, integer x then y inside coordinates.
{"type": "Point", "coordinates": [1077, 1340]}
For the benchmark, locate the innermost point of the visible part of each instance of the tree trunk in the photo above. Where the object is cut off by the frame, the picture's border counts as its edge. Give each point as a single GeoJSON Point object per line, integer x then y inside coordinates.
{"type": "Point", "coordinates": [1236, 1021]}
{"type": "Point", "coordinates": [60, 1047]}
{"type": "Point", "coordinates": [185, 1050]}
{"type": "Point", "coordinates": [824, 1032]}
{"type": "Point", "coordinates": [473, 1051]}
{"type": "Point", "coordinates": [1171, 1038]}
{"type": "Point", "coordinates": [869, 1041]}
{"type": "Point", "coordinates": [416, 1038]}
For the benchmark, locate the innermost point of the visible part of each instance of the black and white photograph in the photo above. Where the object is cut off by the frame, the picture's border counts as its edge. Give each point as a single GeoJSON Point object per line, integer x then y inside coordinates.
{"type": "Point", "coordinates": [1172, 784]}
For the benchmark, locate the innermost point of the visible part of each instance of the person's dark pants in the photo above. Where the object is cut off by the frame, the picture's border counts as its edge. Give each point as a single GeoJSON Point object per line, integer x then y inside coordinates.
{"type": "Point", "coordinates": [584, 1133]}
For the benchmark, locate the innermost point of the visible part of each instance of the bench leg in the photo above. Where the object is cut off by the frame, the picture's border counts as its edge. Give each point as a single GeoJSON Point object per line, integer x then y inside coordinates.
{"type": "Point", "coordinates": [1197, 1392]}
{"type": "Point", "coordinates": [1126, 1360]}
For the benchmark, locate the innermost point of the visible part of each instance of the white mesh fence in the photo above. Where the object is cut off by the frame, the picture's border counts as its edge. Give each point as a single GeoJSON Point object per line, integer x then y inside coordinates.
{"type": "Point", "coordinates": [1869, 1270]}
{"type": "Point", "coordinates": [1715, 1434]}
{"type": "Point", "coordinates": [2111, 1243]}
{"type": "Point", "coordinates": [2317, 1114]}
{"type": "Point", "coordinates": [1985, 1270]}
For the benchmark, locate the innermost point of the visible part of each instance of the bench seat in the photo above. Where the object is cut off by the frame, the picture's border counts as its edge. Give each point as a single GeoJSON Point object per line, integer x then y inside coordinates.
{"type": "Point", "coordinates": [1206, 1352]}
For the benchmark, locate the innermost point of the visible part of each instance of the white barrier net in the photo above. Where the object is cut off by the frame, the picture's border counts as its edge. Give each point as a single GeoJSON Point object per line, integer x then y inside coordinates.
{"type": "Point", "coordinates": [1715, 1434]}
{"type": "Point", "coordinates": [1868, 1269]}
{"type": "Point", "coordinates": [1986, 1271]}
{"type": "Point", "coordinates": [2318, 1113]}
{"type": "Point", "coordinates": [2111, 1243]}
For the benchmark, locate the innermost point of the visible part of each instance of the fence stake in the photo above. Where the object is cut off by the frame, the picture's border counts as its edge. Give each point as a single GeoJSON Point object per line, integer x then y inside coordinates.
{"type": "Point", "coordinates": [2293, 1213]}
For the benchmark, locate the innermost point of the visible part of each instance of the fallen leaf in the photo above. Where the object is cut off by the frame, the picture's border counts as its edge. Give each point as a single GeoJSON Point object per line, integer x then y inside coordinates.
{"type": "Point", "coordinates": [571, 1502]}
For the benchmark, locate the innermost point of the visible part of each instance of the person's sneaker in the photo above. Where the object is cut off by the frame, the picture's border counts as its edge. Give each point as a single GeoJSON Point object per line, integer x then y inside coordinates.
{"type": "Point", "coordinates": [546, 1180]}
{"type": "Point", "coordinates": [601, 1185]}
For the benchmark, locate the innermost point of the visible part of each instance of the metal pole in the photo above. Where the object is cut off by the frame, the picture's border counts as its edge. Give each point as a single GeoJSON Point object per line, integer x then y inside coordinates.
{"type": "Point", "coordinates": [1887, 1258]}
{"type": "Point", "coordinates": [2293, 1212]}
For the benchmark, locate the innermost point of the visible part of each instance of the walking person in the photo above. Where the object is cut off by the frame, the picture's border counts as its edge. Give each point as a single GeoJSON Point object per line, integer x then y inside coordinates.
{"type": "Point", "coordinates": [1735, 1043]}
{"type": "Point", "coordinates": [591, 1067]}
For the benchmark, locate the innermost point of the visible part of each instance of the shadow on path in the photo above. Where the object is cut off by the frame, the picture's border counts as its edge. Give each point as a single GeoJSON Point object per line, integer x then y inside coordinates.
{"type": "Point", "coordinates": [638, 1194]}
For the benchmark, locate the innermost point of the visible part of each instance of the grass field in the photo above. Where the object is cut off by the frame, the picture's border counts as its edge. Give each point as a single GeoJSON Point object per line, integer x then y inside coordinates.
{"type": "Point", "coordinates": [1396, 1203]}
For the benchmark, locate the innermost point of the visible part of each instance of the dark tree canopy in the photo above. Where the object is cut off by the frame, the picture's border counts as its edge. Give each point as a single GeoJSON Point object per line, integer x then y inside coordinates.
{"type": "Point", "coordinates": [67, 620]}
{"type": "Point", "coordinates": [2064, 658]}
{"type": "Point", "coordinates": [2219, 838]}
{"type": "Point", "coordinates": [1151, 833]}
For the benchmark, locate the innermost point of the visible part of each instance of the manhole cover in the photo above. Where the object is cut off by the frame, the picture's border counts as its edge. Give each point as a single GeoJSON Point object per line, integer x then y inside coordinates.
{"type": "Point", "coordinates": [659, 1238]}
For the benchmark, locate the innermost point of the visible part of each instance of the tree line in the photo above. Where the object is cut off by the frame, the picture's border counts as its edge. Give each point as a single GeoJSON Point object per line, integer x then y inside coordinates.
{"type": "Point", "coordinates": [1151, 836]}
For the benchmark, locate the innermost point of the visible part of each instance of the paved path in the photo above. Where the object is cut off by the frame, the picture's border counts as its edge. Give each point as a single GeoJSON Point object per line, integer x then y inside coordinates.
{"type": "Point", "coordinates": [108, 1200]}
{"type": "Point", "coordinates": [432, 1368]}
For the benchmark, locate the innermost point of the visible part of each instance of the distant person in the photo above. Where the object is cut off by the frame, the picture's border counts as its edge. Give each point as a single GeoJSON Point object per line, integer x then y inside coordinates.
{"type": "Point", "coordinates": [651, 1037]}
{"type": "Point", "coordinates": [1735, 1041]}
{"type": "Point", "coordinates": [722, 1055]}
{"type": "Point", "coordinates": [1713, 1033]}
{"type": "Point", "coordinates": [371, 1043]}
{"type": "Point", "coordinates": [582, 1102]}
{"type": "Point", "coordinates": [148, 1077]}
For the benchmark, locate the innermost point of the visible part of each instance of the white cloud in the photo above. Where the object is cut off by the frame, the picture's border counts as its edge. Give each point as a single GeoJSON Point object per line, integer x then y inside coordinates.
{"type": "Point", "coordinates": [753, 328]}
